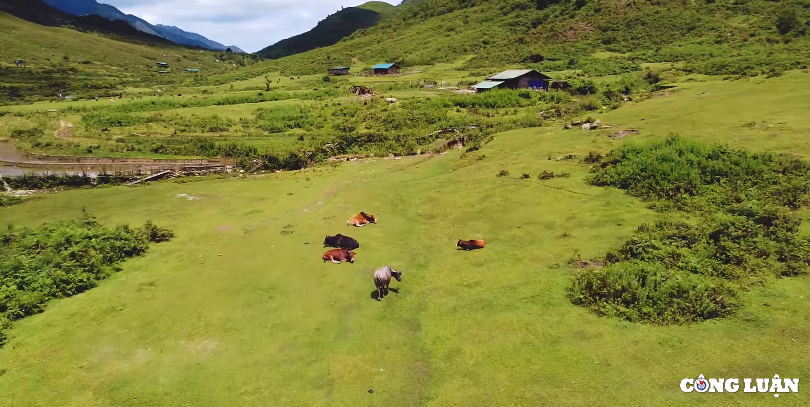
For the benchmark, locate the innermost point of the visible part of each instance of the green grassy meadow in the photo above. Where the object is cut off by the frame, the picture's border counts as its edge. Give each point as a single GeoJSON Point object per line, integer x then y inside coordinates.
{"type": "Point", "coordinates": [238, 309]}
{"type": "Point", "coordinates": [235, 312]}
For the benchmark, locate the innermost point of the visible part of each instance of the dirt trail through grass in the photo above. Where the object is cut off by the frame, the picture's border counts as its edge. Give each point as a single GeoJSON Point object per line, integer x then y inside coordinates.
{"type": "Point", "coordinates": [65, 130]}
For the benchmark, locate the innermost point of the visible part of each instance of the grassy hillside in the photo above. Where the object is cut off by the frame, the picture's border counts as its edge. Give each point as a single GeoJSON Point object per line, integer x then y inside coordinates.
{"type": "Point", "coordinates": [92, 63]}
{"type": "Point", "coordinates": [332, 29]}
{"type": "Point", "coordinates": [717, 37]}
{"type": "Point", "coordinates": [240, 309]}
{"type": "Point", "coordinates": [36, 11]}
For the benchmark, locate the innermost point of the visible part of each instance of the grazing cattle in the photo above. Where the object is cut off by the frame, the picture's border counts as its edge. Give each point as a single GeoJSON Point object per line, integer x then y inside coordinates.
{"type": "Point", "coordinates": [362, 219]}
{"type": "Point", "coordinates": [338, 256]}
{"type": "Point", "coordinates": [382, 277]}
{"type": "Point", "coordinates": [470, 244]}
{"type": "Point", "coordinates": [343, 242]}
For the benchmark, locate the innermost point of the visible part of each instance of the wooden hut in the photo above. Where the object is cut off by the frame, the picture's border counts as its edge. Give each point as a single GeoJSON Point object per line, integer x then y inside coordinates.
{"type": "Point", "coordinates": [385, 69]}
{"type": "Point", "coordinates": [341, 70]}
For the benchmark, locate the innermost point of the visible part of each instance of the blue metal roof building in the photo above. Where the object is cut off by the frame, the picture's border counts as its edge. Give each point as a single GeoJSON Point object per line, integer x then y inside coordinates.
{"type": "Point", "coordinates": [385, 69]}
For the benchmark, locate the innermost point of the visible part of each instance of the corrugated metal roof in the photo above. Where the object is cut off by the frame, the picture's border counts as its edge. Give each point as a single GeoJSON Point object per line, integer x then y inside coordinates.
{"type": "Point", "coordinates": [193, 70]}
{"type": "Point", "coordinates": [512, 74]}
{"type": "Point", "coordinates": [487, 84]}
{"type": "Point", "coordinates": [382, 66]}
{"type": "Point", "coordinates": [339, 67]}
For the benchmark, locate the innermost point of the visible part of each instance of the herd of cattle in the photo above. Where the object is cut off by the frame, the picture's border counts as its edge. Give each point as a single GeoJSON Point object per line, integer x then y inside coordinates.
{"type": "Point", "coordinates": [345, 247]}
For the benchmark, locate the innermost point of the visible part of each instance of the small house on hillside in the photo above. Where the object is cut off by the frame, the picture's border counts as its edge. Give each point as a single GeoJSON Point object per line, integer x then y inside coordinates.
{"type": "Point", "coordinates": [515, 79]}
{"type": "Point", "coordinates": [164, 72]}
{"type": "Point", "coordinates": [192, 70]}
{"type": "Point", "coordinates": [162, 65]}
{"type": "Point", "coordinates": [385, 69]}
{"type": "Point", "coordinates": [341, 70]}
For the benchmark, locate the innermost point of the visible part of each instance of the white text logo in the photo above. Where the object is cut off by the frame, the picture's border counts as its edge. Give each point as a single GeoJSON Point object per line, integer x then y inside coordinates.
{"type": "Point", "coordinates": [775, 385]}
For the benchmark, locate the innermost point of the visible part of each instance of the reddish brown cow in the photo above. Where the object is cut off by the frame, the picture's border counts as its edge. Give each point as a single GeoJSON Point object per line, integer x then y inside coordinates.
{"type": "Point", "coordinates": [470, 244]}
{"type": "Point", "coordinates": [362, 219]}
{"type": "Point", "coordinates": [338, 256]}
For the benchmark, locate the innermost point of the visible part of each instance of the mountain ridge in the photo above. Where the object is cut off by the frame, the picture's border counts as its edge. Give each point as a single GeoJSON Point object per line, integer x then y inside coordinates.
{"type": "Point", "coordinates": [171, 33]}
{"type": "Point", "coordinates": [333, 28]}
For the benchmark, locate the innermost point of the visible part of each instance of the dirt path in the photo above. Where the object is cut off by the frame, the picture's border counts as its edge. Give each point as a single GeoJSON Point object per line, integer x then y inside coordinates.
{"type": "Point", "coordinates": [65, 130]}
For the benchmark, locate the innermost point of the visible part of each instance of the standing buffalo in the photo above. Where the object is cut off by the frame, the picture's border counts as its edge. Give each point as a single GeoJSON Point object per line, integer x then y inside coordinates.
{"type": "Point", "coordinates": [382, 277]}
{"type": "Point", "coordinates": [362, 219]}
{"type": "Point", "coordinates": [340, 241]}
{"type": "Point", "coordinates": [470, 244]}
{"type": "Point", "coordinates": [338, 256]}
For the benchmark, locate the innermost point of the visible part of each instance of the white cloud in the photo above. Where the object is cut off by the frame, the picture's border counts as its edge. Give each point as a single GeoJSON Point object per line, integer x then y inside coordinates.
{"type": "Point", "coordinates": [248, 24]}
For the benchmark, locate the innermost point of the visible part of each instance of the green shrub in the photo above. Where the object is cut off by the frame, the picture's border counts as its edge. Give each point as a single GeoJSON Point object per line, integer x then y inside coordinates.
{"type": "Point", "coordinates": [744, 228]}
{"type": "Point", "coordinates": [58, 260]}
{"type": "Point", "coordinates": [593, 157]}
{"type": "Point", "coordinates": [647, 292]}
{"type": "Point", "coordinates": [5, 325]}
{"type": "Point", "coordinates": [155, 234]}
{"type": "Point", "coordinates": [8, 200]}
{"type": "Point", "coordinates": [544, 175]}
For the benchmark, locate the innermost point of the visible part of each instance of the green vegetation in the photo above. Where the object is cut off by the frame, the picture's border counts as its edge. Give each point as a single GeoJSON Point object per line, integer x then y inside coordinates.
{"type": "Point", "coordinates": [62, 259]}
{"type": "Point", "coordinates": [50, 181]}
{"type": "Point", "coordinates": [711, 37]}
{"type": "Point", "coordinates": [239, 308]}
{"type": "Point", "coordinates": [58, 60]}
{"type": "Point", "coordinates": [317, 124]}
{"type": "Point", "coordinates": [176, 318]}
{"type": "Point", "coordinates": [8, 200]}
{"type": "Point", "coordinates": [677, 271]}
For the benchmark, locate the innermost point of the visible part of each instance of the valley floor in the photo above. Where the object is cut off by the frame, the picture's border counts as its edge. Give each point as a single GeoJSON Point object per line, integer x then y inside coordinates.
{"type": "Point", "coordinates": [235, 312]}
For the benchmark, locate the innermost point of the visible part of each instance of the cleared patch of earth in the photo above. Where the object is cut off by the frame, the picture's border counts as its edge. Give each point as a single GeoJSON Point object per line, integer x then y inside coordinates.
{"type": "Point", "coordinates": [65, 130]}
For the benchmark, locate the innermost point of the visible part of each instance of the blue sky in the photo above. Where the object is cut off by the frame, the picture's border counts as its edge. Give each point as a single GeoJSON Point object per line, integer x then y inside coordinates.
{"type": "Point", "coordinates": [248, 24]}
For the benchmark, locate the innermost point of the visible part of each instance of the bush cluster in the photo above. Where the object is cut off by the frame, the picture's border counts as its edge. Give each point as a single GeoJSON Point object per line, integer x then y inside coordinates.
{"type": "Point", "coordinates": [58, 260]}
{"type": "Point", "coordinates": [743, 229]}
{"type": "Point", "coordinates": [8, 200]}
{"type": "Point", "coordinates": [48, 181]}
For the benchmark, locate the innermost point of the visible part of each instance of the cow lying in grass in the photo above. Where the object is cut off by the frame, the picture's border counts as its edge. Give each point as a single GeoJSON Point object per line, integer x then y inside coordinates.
{"type": "Point", "coordinates": [361, 219]}
{"type": "Point", "coordinates": [340, 241]}
{"type": "Point", "coordinates": [382, 277]}
{"type": "Point", "coordinates": [338, 256]}
{"type": "Point", "coordinates": [470, 244]}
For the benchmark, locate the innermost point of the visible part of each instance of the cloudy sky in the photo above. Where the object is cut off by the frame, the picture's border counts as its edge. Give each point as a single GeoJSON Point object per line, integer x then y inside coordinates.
{"type": "Point", "coordinates": [248, 24]}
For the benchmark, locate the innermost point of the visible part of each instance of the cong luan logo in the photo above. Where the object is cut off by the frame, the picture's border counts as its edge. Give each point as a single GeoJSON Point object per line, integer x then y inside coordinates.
{"type": "Point", "coordinates": [775, 385]}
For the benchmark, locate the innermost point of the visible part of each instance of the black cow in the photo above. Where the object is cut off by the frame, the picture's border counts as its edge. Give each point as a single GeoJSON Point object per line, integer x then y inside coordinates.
{"type": "Point", "coordinates": [340, 241]}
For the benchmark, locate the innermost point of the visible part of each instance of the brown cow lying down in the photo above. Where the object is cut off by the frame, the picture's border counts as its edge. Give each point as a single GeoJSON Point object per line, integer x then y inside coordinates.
{"type": "Point", "coordinates": [470, 244]}
{"type": "Point", "coordinates": [338, 255]}
{"type": "Point", "coordinates": [362, 219]}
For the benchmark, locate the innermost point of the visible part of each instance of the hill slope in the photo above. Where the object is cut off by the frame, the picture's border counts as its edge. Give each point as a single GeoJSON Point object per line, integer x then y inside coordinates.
{"type": "Point", "coordinates": [38, 12]}
{"type": "Point", "coordinates": [174, 34]}
{"type": "Point", "coordinates": [716, 37]}
{"type": "Point", "coordinates": [332, 29]}
{"type": "Point", "coordinates": [99, 61]}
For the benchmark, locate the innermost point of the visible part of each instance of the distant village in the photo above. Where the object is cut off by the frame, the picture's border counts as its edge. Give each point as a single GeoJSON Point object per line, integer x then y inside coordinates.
{"type": "Point", "coordinates": [510, 79]}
